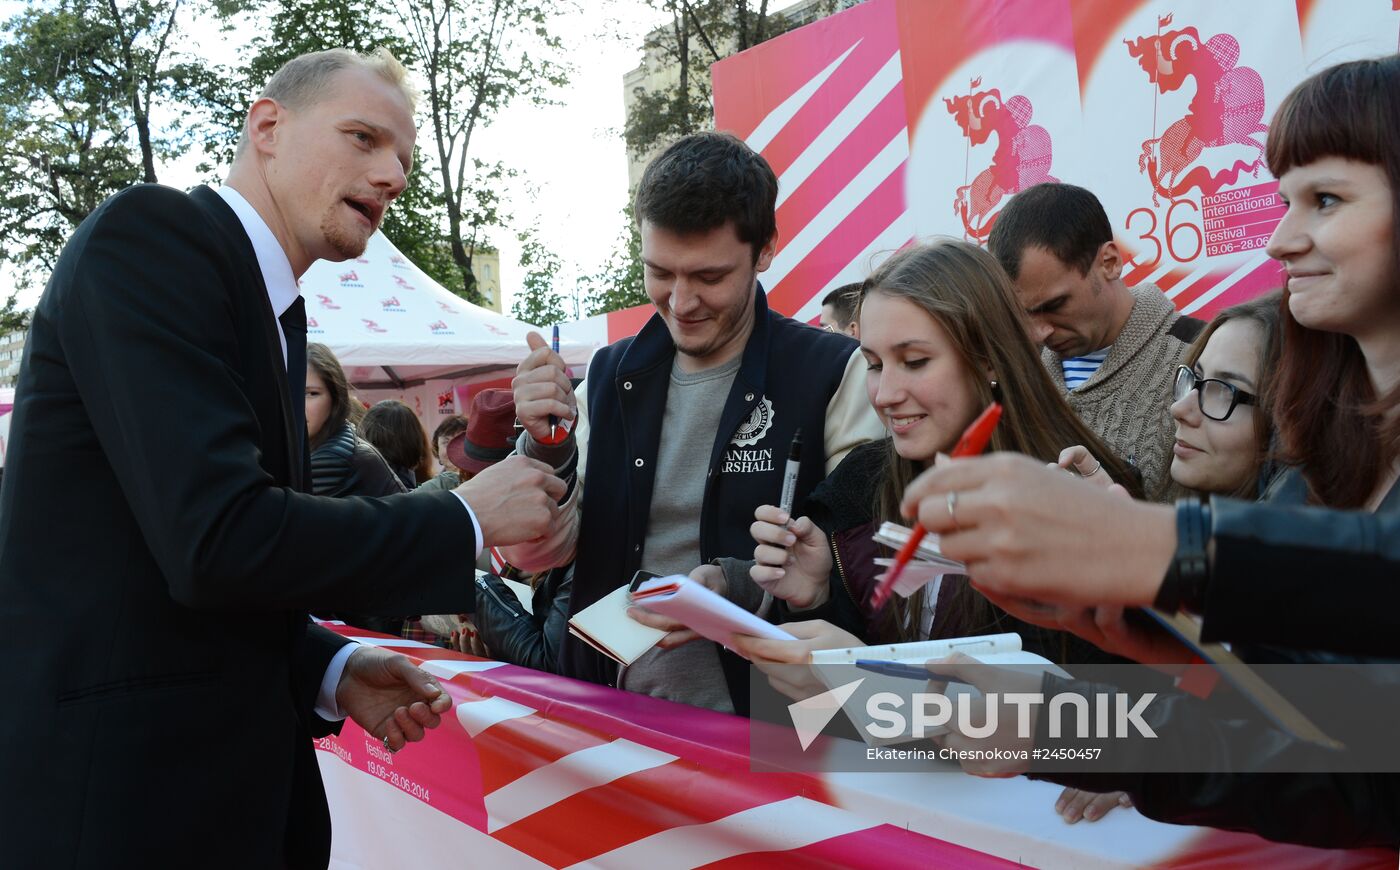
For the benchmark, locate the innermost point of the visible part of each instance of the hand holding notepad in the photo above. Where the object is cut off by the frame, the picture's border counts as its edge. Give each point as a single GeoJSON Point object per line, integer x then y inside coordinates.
{"type": "Point", "coordinates": [702, 610]}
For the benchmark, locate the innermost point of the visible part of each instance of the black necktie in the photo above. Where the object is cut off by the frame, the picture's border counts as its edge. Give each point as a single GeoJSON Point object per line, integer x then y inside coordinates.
{"type": "Point", "coordinates": [293, 322]}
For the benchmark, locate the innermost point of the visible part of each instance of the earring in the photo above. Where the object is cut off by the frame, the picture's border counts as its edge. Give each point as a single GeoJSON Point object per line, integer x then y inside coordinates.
{"type": "Point", "coordinates": [996, 391]}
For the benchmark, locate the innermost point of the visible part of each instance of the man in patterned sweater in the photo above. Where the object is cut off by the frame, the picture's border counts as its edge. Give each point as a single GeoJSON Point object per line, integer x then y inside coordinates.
{"type": "Point", "coordinates": [1113, 350]}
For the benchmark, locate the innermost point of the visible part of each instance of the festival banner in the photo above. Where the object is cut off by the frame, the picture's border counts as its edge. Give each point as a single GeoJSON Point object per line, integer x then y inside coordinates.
{"type": "Point", "coordinates": [536, 770]}
{"type": "Point", "coordinates": [907, 119]}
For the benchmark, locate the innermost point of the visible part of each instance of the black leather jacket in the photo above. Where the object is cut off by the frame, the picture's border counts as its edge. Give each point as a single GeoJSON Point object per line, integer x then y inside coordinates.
{"type": "Point", "coordinates": [511, 634]}
{"type": "Point", "coordinates": [1327, 584]}
{"type": "Point", "coordinates": [346, 464]}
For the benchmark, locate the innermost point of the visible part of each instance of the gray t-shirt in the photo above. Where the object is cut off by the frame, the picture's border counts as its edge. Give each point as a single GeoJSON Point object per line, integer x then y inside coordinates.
{"type": "Point", "coordinates": [694, 403]}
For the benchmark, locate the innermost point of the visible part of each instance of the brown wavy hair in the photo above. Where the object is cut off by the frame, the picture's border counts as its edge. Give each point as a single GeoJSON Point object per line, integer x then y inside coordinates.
{"type": "Point", "coordinates": [1329, 418]}
{"type": "Point", "coordinates": [967, 292]}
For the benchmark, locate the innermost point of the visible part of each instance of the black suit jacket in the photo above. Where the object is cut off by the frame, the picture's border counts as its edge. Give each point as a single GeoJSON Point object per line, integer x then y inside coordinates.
{"type": "Point", "coordinates": [157, 560]}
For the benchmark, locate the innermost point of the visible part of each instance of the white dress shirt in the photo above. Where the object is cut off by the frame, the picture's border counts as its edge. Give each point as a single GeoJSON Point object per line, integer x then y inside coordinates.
{"type": "Point", "coordinates": [282, 291]}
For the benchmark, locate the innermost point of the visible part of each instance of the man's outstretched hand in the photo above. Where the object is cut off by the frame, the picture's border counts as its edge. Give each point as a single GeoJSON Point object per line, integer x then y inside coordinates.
{"type": "Point", "coordinates": [515, 500]}
{"type": "Point", "coordinates": [388, 696]}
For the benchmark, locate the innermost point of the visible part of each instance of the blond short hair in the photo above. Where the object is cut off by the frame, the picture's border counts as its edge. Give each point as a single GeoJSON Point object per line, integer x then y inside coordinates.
{"type": "Point", "coordinates": [301, 80]}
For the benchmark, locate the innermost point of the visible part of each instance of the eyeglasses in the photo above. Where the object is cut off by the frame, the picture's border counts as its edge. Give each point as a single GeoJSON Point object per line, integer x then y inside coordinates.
{"type": "Point", "coordinates": [1217, 399]}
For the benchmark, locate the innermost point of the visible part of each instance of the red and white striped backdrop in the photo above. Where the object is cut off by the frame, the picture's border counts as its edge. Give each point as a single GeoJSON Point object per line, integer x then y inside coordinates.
{"type": "Point", "coordinates": [898, 120]}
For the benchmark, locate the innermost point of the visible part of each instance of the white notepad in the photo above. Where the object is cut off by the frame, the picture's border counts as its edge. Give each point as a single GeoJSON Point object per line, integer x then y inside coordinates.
{"type": "Point", "coordinates": [834, 666]}
{"type": "Point", "coordinates": [702, 610]}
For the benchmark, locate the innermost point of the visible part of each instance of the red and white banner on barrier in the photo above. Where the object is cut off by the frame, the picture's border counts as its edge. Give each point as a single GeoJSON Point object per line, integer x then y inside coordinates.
{"type": "Point", "coordinates": [535, 770]}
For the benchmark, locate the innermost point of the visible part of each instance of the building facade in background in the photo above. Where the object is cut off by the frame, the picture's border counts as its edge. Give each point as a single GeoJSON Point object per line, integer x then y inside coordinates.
{"type": "Point", "coordinates": [11, 353]}
{"type": "Point", "coordinates": [486, 266]}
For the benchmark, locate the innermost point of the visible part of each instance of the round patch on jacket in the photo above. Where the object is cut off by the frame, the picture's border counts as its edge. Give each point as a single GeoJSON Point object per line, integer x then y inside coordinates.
{"type": "Point", "coordinates": [752, 430]}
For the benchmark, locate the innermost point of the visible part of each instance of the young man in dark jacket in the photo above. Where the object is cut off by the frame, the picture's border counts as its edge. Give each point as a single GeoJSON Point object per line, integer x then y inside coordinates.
{"type": "Point", "coordinates": [693, 417]}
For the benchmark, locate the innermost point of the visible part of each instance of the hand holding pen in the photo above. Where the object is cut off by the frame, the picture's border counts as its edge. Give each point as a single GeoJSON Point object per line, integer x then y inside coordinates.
{"type": "Point", "coordinates": [973, 441]}
{"type": "Point", "coordinates": [791, 561]}
{"type": "Point", "coordinates": [542, 391]}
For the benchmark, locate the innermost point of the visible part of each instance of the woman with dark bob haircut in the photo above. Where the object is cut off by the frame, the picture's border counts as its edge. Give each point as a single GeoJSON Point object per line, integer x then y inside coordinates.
{"type": "Point", "coordinates": [394, 430]}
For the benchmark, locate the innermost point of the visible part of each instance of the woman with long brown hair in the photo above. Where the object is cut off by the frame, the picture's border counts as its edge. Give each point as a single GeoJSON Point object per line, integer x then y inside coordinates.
{"type": "Point", "coordinates": [943, 337]}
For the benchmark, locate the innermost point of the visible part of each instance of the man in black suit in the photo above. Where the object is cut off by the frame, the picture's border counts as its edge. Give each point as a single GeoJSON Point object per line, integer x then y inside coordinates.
{"type": "Point", "coordinates": [158, 550]}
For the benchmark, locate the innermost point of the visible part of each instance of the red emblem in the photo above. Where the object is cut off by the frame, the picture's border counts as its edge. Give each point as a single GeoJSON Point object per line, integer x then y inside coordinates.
{"type": "Point", "coordinates": [1022, 158]}
{"type": "Point", "coordinates": [1228, 109]}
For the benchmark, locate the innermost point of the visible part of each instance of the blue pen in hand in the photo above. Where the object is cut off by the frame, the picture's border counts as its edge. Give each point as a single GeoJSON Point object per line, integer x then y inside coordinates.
{"type": "Point", "coordinates": [901, 669]}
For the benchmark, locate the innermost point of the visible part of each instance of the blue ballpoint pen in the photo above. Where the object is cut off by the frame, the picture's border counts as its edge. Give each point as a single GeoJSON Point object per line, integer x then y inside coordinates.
{"type": "Point", "coordinates": [901, 669]}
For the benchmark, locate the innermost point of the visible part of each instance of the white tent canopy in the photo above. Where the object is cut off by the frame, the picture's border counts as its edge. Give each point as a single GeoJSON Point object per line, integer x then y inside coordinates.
{"type": "Point", "coordinates": [392, 326]}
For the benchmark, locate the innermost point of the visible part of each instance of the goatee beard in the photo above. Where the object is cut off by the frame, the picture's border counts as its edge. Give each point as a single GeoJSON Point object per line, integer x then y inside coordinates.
{"type": "Point", "coordinates": [348, 245]}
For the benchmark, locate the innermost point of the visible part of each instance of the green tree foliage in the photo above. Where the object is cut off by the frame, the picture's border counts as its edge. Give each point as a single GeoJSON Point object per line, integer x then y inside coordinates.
{"type": "Point", "coordinates": [539, 301]}
{"type": "Point", "coordinates": [698, 34]}
{"type": "Point", "coordinates": [287, 29]}
{"type": "Point", "coordinates": [416, 223]}
{"type": "Point", "coordinates": [80, 85]}
{"type": "Point", "coordinates": [619, 283]}
{"type": "Point", "coordinates": [476, 57]}
{"type": "Point", "coordinates": [12, 317]}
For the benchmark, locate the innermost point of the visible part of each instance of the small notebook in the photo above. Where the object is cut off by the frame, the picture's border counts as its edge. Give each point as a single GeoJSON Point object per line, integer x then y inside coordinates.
{"type": "Point", "coordinates": [699, 608]}
{"type": "Point", "coordinates": [927, 565]}
{"type": "Point", "coordinates": [834, 668]}
{"type": "Point", "coordinates": [605, 626]}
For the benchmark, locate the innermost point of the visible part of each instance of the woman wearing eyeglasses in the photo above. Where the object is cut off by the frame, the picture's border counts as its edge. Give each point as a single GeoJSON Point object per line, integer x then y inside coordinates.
{"type": "Point", "coordinates": [1223, 433]}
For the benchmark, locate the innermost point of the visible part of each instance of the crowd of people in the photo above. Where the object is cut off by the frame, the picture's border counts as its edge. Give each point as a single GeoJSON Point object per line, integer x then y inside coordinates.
{"type": "Point", "coordinates": [1240, 470]}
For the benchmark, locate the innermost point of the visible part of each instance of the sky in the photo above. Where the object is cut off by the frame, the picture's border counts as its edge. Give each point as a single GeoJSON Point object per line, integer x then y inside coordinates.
{"type": "Point", "coordinates": [571, 159]}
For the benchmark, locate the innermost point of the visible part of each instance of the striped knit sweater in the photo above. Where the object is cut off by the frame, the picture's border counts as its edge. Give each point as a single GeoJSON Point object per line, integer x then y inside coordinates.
{"type": "Point", "coordinates": [1126, 402]}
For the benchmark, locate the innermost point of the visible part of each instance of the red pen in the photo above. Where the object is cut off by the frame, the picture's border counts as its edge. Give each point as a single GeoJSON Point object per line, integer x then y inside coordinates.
{"type": "Point", "coordinates": [973, 441]}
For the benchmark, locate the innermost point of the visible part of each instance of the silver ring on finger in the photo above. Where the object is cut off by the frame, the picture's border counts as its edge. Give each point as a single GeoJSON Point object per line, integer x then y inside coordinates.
{"type": "Point", "coordinates": [386, 743]}
{"type": "Point", "coordinates": [1095, 471]}
{"type": "Point", "coordinates": [953, 508]}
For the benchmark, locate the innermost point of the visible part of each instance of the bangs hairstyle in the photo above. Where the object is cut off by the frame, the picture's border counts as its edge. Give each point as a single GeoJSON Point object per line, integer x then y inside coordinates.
{"type": "Point", "coordinates": [967, 293]}
{"type": "Point", "coordinates": [1330, 420]}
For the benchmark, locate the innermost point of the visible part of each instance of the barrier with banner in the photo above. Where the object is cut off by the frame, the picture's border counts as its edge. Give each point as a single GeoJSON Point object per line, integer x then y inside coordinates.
{"type": "Point", "coordinates": [903, 119]}
{"type": "Point", "coordinates": [536, 770]}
